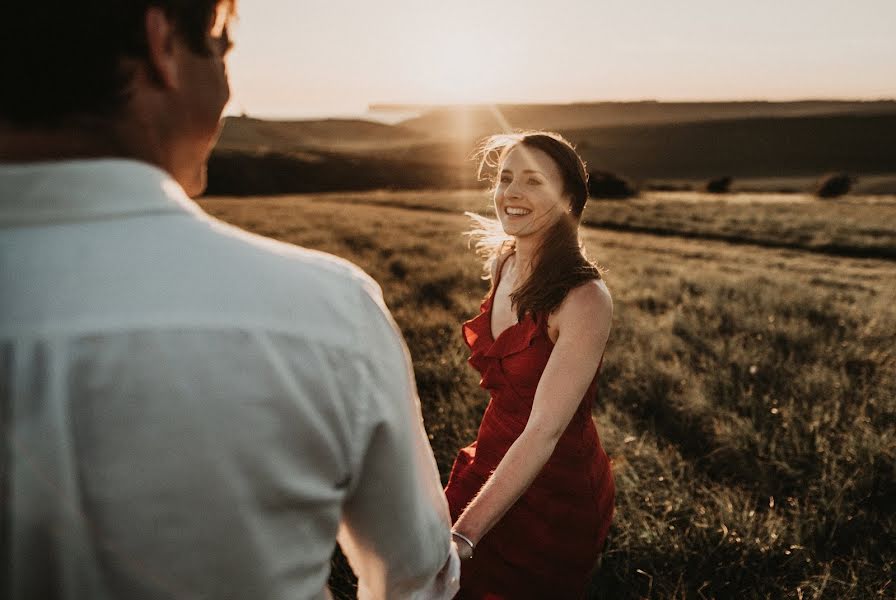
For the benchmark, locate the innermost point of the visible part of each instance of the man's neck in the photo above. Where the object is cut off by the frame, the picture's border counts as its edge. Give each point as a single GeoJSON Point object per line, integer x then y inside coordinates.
{"type": "Point", "coordinates": [95, 139]}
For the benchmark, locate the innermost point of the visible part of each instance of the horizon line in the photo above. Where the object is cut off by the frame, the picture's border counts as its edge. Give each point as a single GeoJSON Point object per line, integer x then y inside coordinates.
{"type": "Point", "coordinates": [797, 100]}
{"type": "Point", "coordinates": [410, 107]}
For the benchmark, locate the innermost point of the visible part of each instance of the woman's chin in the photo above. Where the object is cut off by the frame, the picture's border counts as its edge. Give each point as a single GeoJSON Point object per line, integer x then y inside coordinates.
{"type": "Point", "coordinates": [513, 226]}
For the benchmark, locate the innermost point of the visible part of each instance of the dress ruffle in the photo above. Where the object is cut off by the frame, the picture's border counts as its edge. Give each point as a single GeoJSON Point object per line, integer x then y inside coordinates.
{"type": "Point", "coordinates": [513, 340]}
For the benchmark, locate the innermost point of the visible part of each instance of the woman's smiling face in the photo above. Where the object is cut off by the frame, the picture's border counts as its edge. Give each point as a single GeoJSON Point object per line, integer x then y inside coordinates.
{"type": "Point", "coordinates": [529, 197]}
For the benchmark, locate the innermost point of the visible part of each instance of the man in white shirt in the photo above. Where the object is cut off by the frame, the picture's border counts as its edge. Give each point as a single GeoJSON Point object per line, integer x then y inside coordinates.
{"type": "Point", "coordinates": [188, 411]}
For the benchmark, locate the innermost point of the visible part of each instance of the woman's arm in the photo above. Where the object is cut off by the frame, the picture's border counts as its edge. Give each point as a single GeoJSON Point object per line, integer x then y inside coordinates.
{"type": "Point", "coordinates": [583, 324]}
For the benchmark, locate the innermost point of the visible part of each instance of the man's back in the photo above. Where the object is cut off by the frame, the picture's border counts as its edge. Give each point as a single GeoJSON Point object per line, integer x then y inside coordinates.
{"type": "Point", "coordinates": [194, 411]}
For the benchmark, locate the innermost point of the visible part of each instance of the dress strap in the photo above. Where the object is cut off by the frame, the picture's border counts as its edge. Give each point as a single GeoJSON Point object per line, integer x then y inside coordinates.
{"type": "Point", "coordinates": [499, 268]}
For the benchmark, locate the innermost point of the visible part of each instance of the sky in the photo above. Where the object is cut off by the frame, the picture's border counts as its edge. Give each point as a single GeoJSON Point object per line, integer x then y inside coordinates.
{"type": "Point", "coordinates": [314, 58]}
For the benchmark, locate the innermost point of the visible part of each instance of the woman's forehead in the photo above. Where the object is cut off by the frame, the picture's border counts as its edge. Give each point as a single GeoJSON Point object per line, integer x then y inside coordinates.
{"type": "Point", "coordinates": [526, 158]}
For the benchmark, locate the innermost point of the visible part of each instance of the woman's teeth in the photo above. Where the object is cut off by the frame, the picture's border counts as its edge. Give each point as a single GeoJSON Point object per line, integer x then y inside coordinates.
{"type": "Point", "coordinates": [516, 211]}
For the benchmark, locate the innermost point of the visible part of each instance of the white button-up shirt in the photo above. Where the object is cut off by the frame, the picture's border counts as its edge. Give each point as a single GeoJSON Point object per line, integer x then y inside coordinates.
{"type": "Point", "coordinates": [191, 411]}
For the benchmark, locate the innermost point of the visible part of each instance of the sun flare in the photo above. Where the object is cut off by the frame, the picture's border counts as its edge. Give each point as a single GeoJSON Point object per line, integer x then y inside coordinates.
{"type": "Point", "coordinates": [455, 73]}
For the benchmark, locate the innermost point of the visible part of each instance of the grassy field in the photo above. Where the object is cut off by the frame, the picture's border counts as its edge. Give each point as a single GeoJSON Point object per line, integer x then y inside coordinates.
{"type": "Point", "coordinates": [748, 398]}
{"type": "Point", "coordinates": [850, 226]}
{"type": "Point", "coordinates": [853, 226]}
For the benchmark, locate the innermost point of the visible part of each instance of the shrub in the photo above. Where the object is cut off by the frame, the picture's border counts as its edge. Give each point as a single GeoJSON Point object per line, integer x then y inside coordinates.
{"type": "Point", "coordinates": [719, 185]}
{"type": "Point", "coordinates": [247, 173]}
{"type": "Point", "coordinates": [602, 184]}
{"type": "Point", "coordinates": [665, 186]}
{"type": "Point", "coordinates": [833, 185]}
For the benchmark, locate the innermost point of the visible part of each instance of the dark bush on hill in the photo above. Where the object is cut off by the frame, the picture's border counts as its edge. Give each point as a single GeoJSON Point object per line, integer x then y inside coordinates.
{"type": "Point", "coordinates": [834, 185]}
{"type": "Point", "coordinates": [602, 184]}
{"type": "Point", "coordinates": [719, 185]}
{"type": "Point", "coordinates": [665, 186]}
{"type": "Point", "coordinates": [248, 173]}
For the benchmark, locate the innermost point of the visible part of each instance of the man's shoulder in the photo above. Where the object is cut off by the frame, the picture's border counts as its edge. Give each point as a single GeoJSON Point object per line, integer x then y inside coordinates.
{"type": "Point", "coordinates": [298, 265]}
{"type": "Point", "coordinates": [279, 281]}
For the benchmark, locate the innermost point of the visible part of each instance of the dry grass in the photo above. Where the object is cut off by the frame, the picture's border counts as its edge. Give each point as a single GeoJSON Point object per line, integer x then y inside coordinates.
{"type": "Point", "coordinates": [861, 226]}
{"type": "Point", "coordinates": [748, 399]}
{"type": "Point", "coordinates": [855, 226]}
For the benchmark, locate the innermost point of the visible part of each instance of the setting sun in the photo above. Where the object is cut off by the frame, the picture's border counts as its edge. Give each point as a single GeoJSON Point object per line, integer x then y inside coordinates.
{"type": "Point", "coordinates": [304, 59]}
{"type": "Point", "coordinates": [454, 73]}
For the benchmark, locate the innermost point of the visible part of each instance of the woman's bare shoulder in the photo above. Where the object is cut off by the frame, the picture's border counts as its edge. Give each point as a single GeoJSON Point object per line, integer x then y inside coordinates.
{"type": "Point", "coordinates": [587, 301]}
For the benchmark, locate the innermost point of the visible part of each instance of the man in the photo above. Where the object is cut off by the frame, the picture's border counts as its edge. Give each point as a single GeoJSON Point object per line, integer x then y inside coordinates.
{"type": "Point", "coordinates": [188, 411]}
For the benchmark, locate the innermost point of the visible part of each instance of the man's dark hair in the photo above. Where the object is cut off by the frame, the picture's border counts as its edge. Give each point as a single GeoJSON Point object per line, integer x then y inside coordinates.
{"type": "Point", "coordinates": [64, 59]}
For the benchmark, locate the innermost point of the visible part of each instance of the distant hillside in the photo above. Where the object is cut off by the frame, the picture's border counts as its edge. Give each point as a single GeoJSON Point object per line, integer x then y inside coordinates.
{"type": "Point", "coordinates": [247, 173]}
{"type": "Point", "coordinates": [350, 135]}
{"type": "Point", "coordinates": [644, 141]}
{"type": "Point", "coordinates": [762, 147]}
{"type": "Point", "coordinates": [483, 120]}
{"type": "Point", "coordinates": [755, 148]}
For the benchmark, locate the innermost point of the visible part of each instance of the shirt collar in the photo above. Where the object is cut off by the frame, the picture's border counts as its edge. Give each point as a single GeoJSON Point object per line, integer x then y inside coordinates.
{"type": "Point", "coordinates": [78, 190]}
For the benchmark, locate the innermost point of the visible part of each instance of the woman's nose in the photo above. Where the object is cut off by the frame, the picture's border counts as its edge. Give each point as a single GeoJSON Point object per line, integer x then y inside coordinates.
{"type": "Point", "coordinates": [512, 190]}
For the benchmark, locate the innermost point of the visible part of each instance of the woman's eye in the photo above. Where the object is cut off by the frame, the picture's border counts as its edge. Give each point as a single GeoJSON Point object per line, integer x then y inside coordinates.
{"type": "Point", "coordinates": [505, 179]}
{"type": "Point", "coordinates": [534, 181]}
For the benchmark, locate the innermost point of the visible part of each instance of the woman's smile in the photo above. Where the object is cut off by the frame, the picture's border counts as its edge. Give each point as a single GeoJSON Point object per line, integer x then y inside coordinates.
{"type": "Point", "coordinates": [515, 211]}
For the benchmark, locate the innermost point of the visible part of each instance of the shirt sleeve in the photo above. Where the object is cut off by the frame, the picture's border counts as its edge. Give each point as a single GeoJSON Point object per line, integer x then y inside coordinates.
{"type": "Point", "coordinates": [395, 529]}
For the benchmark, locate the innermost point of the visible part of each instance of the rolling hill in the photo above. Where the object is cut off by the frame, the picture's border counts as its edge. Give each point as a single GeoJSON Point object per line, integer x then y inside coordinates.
{"type": "Point", "coordinates": [645, 141]}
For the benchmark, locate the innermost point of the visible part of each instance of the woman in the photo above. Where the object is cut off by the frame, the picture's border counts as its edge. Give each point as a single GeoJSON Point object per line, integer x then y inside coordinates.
{"type": "Point", "coordinates": [532, 497]}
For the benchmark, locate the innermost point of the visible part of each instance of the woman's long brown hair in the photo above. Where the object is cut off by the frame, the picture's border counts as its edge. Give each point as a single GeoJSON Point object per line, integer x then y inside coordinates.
{"type": "Point", "coordinates": [560, 263]}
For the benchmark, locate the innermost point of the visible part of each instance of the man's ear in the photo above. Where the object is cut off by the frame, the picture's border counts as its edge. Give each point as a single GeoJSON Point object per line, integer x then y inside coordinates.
{"type": "Point", "coordinates": [160, 42]}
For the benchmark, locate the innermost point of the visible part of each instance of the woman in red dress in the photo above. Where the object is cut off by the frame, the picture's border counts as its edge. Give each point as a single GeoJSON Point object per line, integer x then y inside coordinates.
{"type": "Point", "coordinates": [532, 497]}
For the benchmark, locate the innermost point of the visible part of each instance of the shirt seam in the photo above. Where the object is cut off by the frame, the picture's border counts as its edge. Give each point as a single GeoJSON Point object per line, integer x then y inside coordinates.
{"type": "Point", "coordinates": [183, 324]}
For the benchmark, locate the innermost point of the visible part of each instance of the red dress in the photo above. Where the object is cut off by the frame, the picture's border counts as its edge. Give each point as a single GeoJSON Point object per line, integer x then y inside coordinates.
{"type": "Point", "coordinates": [546, 545]}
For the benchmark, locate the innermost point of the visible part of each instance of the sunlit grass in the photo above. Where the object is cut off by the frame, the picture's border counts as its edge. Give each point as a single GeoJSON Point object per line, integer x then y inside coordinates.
{"type": "Point", "coordinates": [748, 398]}
{"type": "Point", "coordinates": [861, 226]}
